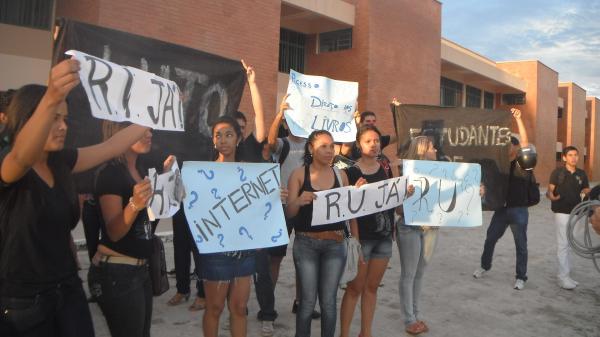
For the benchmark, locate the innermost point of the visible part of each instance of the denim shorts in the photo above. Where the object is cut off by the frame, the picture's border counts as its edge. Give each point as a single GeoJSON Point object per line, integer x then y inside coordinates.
{"type": "Point", "coordinates": [377, 249]}
{"type": "Point", "coordinates": [226, 267]}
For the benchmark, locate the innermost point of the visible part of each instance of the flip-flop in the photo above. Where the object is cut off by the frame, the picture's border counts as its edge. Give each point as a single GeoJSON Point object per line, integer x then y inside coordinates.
{"type": "Point", "coordinates": [199, 304]}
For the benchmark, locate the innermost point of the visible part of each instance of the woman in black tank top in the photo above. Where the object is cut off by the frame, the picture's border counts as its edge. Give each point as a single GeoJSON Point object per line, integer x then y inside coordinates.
{"type": "Point", "coordinates": [319, 251]}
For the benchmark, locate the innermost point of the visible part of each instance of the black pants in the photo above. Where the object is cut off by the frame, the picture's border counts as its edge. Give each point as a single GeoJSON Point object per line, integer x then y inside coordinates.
{"type": "Point", "coordinates": [183, 245]}
{"type": "Point", "coordinates": [124, 293]}
{"type": "Point", "coordinates": [62, 311]}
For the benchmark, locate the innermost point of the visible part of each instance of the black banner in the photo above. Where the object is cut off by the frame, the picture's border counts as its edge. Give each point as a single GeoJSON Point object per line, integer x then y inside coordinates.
{"type": "Point", "coordinates": [463, 135]}
{"type": "Point", "coordinates": [211, 86]}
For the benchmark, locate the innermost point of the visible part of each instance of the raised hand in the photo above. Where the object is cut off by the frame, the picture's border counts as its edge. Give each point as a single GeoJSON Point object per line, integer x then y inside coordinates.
{"type": "Point", "coordinates": [63, 78]}
{"type": "Point", "coordinates": [395, 101]}
{"type": "Point", "coordinates": [250, 73]}
{"type": "Point", "coordinates": [516, 113]}
{"type": "Point", "coordinates": [284, 104]}
{"type": "Point", "coordinates": [168, 163]}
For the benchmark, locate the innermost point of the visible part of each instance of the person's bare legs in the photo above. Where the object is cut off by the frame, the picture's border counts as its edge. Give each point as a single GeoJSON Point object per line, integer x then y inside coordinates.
{"type": "Point", "coordinates": [239, 293]}
{"type": "Point", "coordinates": [216, 294]}
{"type": "Point", "coordinates": [376, 269]}
{"type": "Point", "coordinates": [353, 291]}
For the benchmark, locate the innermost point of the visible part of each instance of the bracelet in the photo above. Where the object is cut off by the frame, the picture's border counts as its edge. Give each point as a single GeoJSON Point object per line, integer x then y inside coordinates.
{"type": "Point", "coordinates": [133, 206]}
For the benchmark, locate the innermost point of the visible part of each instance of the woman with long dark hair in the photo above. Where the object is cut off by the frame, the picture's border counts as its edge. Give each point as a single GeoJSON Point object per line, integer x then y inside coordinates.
{"type": "Point", "coordinates": [319, 251]}
{"type": "Point", "coordinates": [40, 291]}
{"type": "Point", "coordinates": [119, 277]}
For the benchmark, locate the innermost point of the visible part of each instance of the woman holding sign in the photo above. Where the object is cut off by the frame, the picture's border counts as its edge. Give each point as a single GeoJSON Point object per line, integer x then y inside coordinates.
{"type": "Point", "coordinates": [41, 293]}
{"type": "Point", "coordinates": [375, 233]}
{"type": "Point", "coordinates": [119, 276]}
{"type": "Point", "coordinates": [319, 250]}
{"type": "Point", "coordinates": [416, 246]}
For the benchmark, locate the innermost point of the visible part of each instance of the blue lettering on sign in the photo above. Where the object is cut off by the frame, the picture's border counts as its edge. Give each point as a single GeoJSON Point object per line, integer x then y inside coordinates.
{"type": "Point", "coordinates": [302, 83]}
{"type": "Point", "coordinates": [331, 125]}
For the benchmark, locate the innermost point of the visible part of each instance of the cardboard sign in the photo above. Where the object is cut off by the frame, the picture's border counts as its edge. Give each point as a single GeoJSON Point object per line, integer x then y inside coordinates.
{"type": "Point", "coordinates": [167, 193]}
{"type": "Point", "coordinates": [120, 93]}
{"type": "Point", "coordinates": [446, 194]}
{"type": "Point", "coordinates": [320, 103]}
{"type": "Point", "coordinates": [348, 202]}
{"type": "Point", "coordinates": [234, 206]}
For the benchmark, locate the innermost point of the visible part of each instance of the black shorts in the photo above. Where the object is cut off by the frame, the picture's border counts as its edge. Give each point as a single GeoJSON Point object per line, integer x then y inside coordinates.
{"type": "Point", "coordinates": [281, 251]}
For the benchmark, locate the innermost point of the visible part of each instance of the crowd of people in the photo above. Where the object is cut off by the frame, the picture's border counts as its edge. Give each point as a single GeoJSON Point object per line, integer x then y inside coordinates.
{"type": "Point", "coordinates": [41, 293]}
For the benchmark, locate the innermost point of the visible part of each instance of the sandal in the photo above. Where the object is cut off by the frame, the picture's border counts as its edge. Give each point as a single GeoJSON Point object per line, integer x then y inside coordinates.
{"type": "Point", "coordinates": [425, 327]}
{"type": "Point", "coordinates": [199, 304]}
{"type": "Point", "coordinates": [178, 298]}
{"type": "Point", "coordinates": [415, 328]}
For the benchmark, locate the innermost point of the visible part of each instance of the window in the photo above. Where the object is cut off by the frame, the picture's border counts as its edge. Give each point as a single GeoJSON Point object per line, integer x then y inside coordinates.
{"type": "Point", "coordinates": [291, 51]}
{"type": "Point", "coordinates": [513, 99]}
{"type": "Point", "coordinates": [450, 92]}
{"type": "Point", "coordinates": [560, 112]}
{"type": "Point", "coordinates": [336, 40]}
{"type": "Point", "coordinates": [473, 97]}
{"type": "Point", "coordinates": [27, 13]}
{"type": "Point", "coordinates": [488, 100]}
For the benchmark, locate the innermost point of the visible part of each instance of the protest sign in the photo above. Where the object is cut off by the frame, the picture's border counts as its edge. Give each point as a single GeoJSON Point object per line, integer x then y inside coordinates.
{"type": "Point", "coordinates": [467, 135]}
{"type": "Point", "coordinates": [320, 103]}
{"type": "Point", "coordinates": [121, 93]}
{"type": "Point", "coordinates": [446, 194]}
{"type": "Point", "coordinates": [233, 206]}
{"type": "Point", "coordinates": [348, 202]}
{"type": "Point", "coordinates": [211, 86]}
{"type": "Point", "coordinates": [167, 193]}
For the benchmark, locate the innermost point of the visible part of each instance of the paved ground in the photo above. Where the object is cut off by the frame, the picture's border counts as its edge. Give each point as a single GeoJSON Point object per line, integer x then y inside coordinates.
{"type": "Point", "coordinates": [453, 302]}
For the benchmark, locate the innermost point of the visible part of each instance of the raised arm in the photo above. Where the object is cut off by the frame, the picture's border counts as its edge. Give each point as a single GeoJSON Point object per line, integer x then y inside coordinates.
{"type": "Point", "coordinates": [259, 112]}
{"type": "Point", "coordinates": [274, 129]}
{"type": "Point", "coordinates": [91, 156]}
{"type": "Point", "coordinates": [29, 143]}
{"type": "Point", "coordinates": [522, 131]}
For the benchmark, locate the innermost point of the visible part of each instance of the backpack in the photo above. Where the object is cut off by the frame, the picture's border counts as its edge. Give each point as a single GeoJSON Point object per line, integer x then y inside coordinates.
{"type": "Point", "coordinates": [285, 150]}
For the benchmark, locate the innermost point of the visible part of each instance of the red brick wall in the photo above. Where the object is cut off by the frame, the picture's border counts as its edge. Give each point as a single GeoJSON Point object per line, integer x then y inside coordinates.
{"type": "Point", "coordinates": [234, 29]}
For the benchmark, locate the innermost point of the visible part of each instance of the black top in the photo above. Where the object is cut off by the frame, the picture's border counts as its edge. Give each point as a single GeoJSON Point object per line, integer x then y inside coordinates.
{"type": "Point", "coordinates": [568, 186]}
{"type": "Point", "coordinates": [35, 226]}
{"type": "Point", "coordinates": [251, 150]}
{"type": "Point", "coordinates": [303, 220]}
{"type": "Point", "coordinates": [115, 179]}
{"type": "Point", "coordinates": [518, 186]}
{"type": "Point", "coordinates": [368, 228]}
{"type": "Point", "coordinates": [356, 153]}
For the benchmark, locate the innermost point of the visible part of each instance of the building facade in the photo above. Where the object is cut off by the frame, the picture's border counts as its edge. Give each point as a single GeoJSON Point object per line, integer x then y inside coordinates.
{"type": "Point", "coordinates": [393, 48]}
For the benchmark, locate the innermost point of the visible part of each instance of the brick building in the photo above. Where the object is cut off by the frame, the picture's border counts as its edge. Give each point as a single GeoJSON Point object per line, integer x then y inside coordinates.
{"type": "Point", "coordinates": [393, 48]}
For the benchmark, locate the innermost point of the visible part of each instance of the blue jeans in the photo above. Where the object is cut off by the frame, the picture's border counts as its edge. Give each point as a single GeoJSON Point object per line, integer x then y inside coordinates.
{"type": "Point", "coordinates": [416, 246]}
{"type": "Point", "coordinates": [124, 294]}
{"type": "Point", "coordinates": [319, 266]}
{"type": "Point", "coordinates": [517, 218]}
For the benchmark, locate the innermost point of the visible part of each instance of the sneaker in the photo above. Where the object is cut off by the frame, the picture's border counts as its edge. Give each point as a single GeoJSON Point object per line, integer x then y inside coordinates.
{"type": "Point", "coordinates": [572, 280]}
{"type": "Point", "coordinates": [267, 329]}
{"type": "Point", "coordinates": [520, 284]}
{"type": "Point", "coordinates": [567, 284]}
{"type": "Point", "coordinates": [479, 273]}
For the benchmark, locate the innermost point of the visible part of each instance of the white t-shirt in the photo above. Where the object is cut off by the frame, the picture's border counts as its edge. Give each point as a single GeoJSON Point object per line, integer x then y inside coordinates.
{"type": "Point", "coordinates": [294, 159]}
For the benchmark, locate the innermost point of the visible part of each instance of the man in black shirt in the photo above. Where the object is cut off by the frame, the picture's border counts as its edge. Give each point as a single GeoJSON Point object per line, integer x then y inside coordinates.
{"type": "Point", "coordinates": [514, 212]}
{"type": "Point", "coordinates": [568, 186]}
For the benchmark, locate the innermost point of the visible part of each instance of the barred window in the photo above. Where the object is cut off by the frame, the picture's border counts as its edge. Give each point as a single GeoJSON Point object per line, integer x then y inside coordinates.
{"type": "Point", "coordinates": [336, 40]}
{"type": "Point", "coordinates": [28, 13]}
{"type": "Point", "coordinates": [473, 97]}
{"type": "Point", "coordinates": [450, 92]}
{"type": "Point", "coordinates": [513, 99]}
{"type": "Point", "coordinates": [291, 51]}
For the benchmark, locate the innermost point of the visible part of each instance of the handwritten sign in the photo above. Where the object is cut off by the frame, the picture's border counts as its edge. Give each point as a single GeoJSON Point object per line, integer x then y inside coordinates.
{"type": "Point", "coordinates": [446, 194]}
{"type": "Point", "coordinates": [348, 202]}
{"type": "Point", "coordinates": [121, 93]}
{"type": "Point", "coordinates": [167, 193]}
{"type": "Point", "coordinates": [233, 206]}
{"type": "Point", "coordinates": [320, 103]}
